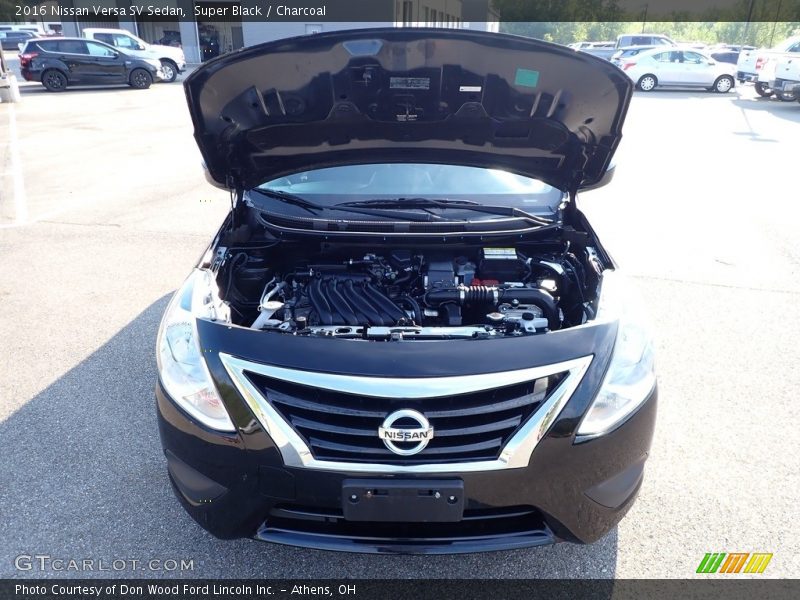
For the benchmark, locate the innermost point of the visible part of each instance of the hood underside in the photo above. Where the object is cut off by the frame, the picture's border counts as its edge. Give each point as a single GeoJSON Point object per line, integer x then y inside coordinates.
{"type": "Point", "coordinates": [408, 95]}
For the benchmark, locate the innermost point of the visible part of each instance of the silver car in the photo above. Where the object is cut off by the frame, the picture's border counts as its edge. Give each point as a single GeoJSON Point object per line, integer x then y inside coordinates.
{"type": "Point", "coordinates": [679, 67]}
{"type": "Point", "coordinates": [623, 54]}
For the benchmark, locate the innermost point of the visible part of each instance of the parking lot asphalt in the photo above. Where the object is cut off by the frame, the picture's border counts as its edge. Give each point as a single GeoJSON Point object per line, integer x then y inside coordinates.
{"type": "Point", "coordinates": [103, 210]}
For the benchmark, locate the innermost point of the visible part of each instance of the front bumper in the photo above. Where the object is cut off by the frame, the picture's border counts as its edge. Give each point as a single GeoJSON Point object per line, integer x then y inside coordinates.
{"type": "Point", "coordinates": [237, 484]}
{"type": "Point", "coordinates": [787, 86]}
{"type": "Point", "coordinates": [571, 492]}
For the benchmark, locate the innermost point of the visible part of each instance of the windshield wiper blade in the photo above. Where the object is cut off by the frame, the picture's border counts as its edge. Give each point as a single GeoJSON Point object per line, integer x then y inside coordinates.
{"type": "Point", "coordinates": [292, 199]}
{"type": "Point", "coordinates": [427, 203]}
{"type": "Point", "coordinates": [315, 208]}
{"type": "Point", "coordinates": [411, 202]}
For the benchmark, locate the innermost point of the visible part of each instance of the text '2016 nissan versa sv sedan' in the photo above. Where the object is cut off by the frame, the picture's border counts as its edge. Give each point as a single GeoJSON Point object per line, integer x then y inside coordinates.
{"type": "Point", "coordinates": [405, 337]}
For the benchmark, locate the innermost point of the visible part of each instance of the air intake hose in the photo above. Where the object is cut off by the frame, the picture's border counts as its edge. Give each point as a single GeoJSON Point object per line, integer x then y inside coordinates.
{"type": "Point", "coordinates": [491, 295]}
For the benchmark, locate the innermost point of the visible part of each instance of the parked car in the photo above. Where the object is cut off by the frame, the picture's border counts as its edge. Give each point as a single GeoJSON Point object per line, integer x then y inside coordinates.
{"type": "Point", "coordinates": [786, 80]}
{"type": "Point", "coordinates": [405, 336]}
{"type": "Point", "coordinates": [62, 62]}
{"type": "Point", "coordinates": [754, 67]}
{"type": "Point", "coordinates": [11, 40]}
{"type": "Point", "coordinates": [701, 46]}
{"type": "Point", "coordinates": [725, 56]}
{"type": "Point", "coordinates": [643, 39]}
{"type": "Point", "coordinates": [34, 29]}
{"type": "Point", "coordinates": [632, 45]}
{"type": "Point", "coordinates": [735, 47]}
{"type": "Point", "coordinates": [172, 58]}
{"type": "Point", "coordinates": [622, 54]}
{"type": "Point", "coordinates": [603, 50]}
{"type": "Point", "coordinates": [171, 37]}
{"type": "Point", "coordinates": [678, 67]}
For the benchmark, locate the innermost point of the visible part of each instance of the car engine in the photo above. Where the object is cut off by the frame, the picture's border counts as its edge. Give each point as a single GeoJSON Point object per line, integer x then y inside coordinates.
{"type": "Point", "coordinates": [411, 294]}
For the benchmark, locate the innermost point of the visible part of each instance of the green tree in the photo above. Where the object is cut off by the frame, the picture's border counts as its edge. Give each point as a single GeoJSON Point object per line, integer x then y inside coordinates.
{"type": "Point", "coordinates": [7, 10]}
{"type": "Point", "coordinates": [709, 32]}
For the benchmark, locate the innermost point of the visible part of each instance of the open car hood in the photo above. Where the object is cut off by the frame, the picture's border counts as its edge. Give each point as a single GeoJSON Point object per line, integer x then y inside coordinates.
{"type": "Point", "coordinates": [408, 95]}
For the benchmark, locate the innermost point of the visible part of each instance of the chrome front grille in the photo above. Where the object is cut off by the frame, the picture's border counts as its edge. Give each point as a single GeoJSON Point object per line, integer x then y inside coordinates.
{"type": "Point", "coordinates": [329, 421]}
{"type": "Point", "coordinates": [339, 426]}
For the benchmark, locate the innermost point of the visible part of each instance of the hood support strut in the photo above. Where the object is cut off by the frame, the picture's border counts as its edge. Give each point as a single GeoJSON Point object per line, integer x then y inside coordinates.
{"type": "Point", "coordinates": [236, 192]}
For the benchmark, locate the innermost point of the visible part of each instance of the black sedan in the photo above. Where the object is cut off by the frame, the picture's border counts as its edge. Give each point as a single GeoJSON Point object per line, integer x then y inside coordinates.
{"type": "Point", "coordinates": [725, 56]}
{"type": "Point", "coordinates": [406, 336]}
{"type": "Point", "coordinates": [10, 40]}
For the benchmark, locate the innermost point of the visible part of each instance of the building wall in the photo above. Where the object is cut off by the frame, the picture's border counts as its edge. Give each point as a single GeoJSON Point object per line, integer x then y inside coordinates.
{"type": "Point", "coordinates": [260, 32]}
{"type": "Point", "coordinates": [429, 13]}
{"type": "Point", "coordinates": [414, 13]}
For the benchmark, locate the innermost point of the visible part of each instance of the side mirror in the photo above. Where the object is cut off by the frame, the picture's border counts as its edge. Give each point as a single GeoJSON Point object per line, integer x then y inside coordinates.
{"type": "Point", "coordinates": [712, 62]}
{"type": "Point", "coordinates": [140, 47]}
{"type": "Point", "coordinates": [603, 181]}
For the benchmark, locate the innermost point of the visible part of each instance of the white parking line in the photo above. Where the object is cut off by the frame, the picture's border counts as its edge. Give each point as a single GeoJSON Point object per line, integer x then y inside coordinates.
{"type": "Point", "coordinates": [20, 199]}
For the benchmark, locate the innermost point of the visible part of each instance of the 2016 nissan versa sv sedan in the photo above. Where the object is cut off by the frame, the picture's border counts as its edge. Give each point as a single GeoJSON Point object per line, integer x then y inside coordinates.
{"type": "Point", "coordinates": [406, 337]}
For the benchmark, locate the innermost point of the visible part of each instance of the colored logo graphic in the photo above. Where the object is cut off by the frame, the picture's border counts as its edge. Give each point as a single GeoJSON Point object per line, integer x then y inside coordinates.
{"type": "Point", "coordinates": [735, 562]}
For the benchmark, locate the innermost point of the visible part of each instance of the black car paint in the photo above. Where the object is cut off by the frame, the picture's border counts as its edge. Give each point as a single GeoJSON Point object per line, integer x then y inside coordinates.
{"type": "Point", "coordinates": [727, 56]}
{"type": "Point", "coordinates": [233, 484]}
{"type": "Point", "coordinates": [80, 69]}
{"type": "Point", "coordinates": [10, 40]}
{"type": "Point", "coordinates": [382, 95]}
{"type": "Point", "coordinates": [559, 481]}
{"type": "Point", "coordinates": [236, 485]}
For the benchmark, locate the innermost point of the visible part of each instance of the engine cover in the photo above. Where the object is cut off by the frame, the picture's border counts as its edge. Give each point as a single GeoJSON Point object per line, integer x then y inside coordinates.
{"type": "Point", "coordinates": [351, 299]}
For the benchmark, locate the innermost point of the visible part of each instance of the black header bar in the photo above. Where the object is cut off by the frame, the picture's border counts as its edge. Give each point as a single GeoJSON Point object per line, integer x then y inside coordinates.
{"type": "Point", "coordinates": [452, 13]}
{"type": "Point", "coordinates": [419, 589]}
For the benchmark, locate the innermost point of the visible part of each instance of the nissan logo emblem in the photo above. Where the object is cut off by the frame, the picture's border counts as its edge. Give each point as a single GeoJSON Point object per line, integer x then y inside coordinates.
{"type": "Point", "coordinates": [406, 433]}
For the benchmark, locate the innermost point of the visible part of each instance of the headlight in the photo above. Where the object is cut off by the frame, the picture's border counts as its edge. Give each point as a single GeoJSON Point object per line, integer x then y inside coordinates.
{"type": "Point", "coordinates": [181, 367]}
{"type": "Point", "coordinates": [631, 377]}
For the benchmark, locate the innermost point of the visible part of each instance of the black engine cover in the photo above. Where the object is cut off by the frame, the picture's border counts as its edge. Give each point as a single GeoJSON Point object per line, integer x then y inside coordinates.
{"type": "Point", "coordinates": [352, 299]}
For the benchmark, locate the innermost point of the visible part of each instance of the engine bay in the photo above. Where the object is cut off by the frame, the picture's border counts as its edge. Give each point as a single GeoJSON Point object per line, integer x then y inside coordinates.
{"type": "Point", "coordinates": [402, 292]}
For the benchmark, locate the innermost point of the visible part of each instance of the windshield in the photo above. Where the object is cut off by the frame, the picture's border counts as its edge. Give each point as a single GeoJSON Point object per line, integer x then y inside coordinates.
{"type": "Point", "coordinates": [410, 180]}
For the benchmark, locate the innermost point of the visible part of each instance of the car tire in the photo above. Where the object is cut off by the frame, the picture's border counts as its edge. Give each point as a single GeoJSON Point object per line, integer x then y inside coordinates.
{"type": "Point", "coordinates": [785, 96]}
{"type": "Point", "coordinates": [140, 79]}
{"type": "Point", "coordinates": [54, 80]}
{"type": "Point", "coordinates": [724, 84]}
{"type": "Point", "coordinates": [647, 83]}
{"type": "Point", "coordinates": [170, 70]}
{"type": "Point", "coordinates": [763, 90]}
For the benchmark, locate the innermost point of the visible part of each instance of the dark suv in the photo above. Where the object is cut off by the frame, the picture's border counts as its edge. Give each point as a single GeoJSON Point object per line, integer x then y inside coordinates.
{"type": "Point", "coordinates": [62, 62]}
